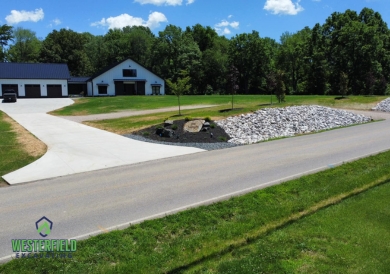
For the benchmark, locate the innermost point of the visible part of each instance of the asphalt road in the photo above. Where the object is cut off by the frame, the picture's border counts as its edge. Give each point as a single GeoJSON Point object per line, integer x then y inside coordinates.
{"type": "Point", "coordinates": [94, 202]}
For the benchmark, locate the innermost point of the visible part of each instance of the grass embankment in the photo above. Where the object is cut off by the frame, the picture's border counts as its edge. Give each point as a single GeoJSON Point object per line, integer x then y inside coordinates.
{"type": "Point", "coordinates": [18, 147]}
{"type": "Point", "coordinates": [292, 227]}
{"type": "Point", "coordinates": [243, 104]}
{"type": "Point", "coordinates": [97, 105]}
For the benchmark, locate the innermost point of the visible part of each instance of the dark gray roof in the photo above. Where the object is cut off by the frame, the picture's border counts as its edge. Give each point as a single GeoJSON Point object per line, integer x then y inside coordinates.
{"type": "Point", "coordinates": [33, 71]}
{"type": "Point", "coordinates": [79, 80]}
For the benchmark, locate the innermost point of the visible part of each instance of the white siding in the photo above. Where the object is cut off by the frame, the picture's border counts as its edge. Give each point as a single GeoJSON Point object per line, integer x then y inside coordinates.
{"type": "Point", "coordinates": [89, 88]}
{"type": "Point", "coordinates": [117, 73]}
{"type": "Point", "coordinates": [42, 83]}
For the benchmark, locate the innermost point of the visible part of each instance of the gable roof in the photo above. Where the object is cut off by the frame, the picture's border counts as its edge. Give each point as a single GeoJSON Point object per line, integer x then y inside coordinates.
{"type": "Point", "coordinates": [116, 64]}
{"type": "Point", "coordinates": [33, 71]}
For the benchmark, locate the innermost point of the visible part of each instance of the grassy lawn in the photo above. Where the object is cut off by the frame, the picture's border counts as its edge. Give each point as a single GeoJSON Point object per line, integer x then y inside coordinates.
{"type": "Point", "coordinates": [351, 237]}
{"type": "Point", "coordinates": [335, 221]}
{"type": "Point", "coordinates": [18, 147]}
{"type": "Point", "coordinates": [97, 105]}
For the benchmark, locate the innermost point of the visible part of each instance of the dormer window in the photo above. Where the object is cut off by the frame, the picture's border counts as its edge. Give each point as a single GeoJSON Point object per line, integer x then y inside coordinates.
{"type": "Point", "coordinates": [129, 73]}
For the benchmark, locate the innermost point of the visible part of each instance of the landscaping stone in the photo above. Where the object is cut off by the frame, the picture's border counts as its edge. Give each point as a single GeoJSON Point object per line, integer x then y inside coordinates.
{"type": "Point", "coordinates": [168, 133]}
{"type": "Point", "coordinates": [194, 126]}
{"type": "Point", "coordinates": [168, 123]}
{"type": "Point", "coordinates": [270, 123]}
{"type": "Point", "coordinates": [159, 131]}
{"type": "Point", "coordinates": [383, 106]}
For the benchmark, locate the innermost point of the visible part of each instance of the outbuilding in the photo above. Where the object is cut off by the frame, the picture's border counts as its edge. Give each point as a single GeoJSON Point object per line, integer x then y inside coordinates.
{"type": "Point", "coordinates": [35, 80]}
{"type": "Point", "coordinates": [125, 78]}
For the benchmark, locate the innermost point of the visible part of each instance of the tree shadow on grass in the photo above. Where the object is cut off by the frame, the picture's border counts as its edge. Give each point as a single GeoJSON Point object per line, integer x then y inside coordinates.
{"type": "Point", "coordinates": [341, 98]}
{"type": "Point", "coordinates": [229, 109]}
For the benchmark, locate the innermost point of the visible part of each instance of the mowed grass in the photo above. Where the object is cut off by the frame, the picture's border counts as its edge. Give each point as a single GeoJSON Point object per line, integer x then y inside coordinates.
{"type": "Point", "coordinates": [320, 223]}
{"type": "Point", "coordinates": [97, 105]}
{"type": "Point", "coordinates": [350, 237]}
{"type": "Point", "coordinates": [12, 154]}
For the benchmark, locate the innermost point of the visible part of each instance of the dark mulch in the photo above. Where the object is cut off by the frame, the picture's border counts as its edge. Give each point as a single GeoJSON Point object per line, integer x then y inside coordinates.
{"type": "Point", "coordinates": [219, 135]}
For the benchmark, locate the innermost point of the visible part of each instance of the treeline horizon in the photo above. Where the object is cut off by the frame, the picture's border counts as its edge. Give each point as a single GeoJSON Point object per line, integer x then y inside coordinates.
{"type": "Point", "coordinates": [349, 54]}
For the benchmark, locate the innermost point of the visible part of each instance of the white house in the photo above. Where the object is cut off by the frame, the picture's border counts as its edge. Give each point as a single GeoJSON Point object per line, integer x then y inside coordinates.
{"type": "Point", "coordinates": [30, 80]}
{"type": "Point", "coordinates": [125, 78]}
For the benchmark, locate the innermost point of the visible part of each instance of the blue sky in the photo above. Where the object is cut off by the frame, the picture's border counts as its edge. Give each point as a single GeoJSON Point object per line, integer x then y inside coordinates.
{"type": "Point", "coordinates": [229, 17]}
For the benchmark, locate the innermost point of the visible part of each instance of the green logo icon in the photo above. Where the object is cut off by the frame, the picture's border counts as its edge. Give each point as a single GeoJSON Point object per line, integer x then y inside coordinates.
{"type": "Point", "coordinates": [44, 226]}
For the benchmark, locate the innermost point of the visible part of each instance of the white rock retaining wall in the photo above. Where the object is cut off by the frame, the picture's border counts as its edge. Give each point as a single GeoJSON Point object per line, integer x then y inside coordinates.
{"type": "Point", "coordinates": [383, 106]}
{"type": "Point", "coordinates": [270, 123]}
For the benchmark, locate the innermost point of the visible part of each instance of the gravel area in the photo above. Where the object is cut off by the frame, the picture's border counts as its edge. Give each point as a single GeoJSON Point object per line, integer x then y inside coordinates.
{"type": "Point", "coordinates": [383, 106]}
{"type": "Point", "coordinates": [269, 123]}
{"type": "Point", "coordinates": [205, 146]}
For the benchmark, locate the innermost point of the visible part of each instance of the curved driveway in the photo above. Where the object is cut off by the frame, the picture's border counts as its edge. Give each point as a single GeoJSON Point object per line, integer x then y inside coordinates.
{"type": "Point", "coordinates": [75, 148]}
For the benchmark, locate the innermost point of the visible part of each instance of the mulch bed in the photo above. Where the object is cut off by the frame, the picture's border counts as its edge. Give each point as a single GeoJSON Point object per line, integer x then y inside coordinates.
{"type": "Point", "coordinates": [181, 136]}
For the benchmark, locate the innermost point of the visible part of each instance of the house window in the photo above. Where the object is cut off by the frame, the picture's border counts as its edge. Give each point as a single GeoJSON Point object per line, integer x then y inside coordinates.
{"type": "Point", "coordinates": [156, 90]}
{"type": "Point", "coordinates": [102, 89]}
{"type": "Point", "coordinates": [129, 73]}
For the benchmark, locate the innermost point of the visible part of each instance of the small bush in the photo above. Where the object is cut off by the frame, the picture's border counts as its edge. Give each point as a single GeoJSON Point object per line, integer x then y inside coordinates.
{"type": "Point", "coordinates": [207, 119]}
{"type": "Point", "coordinates": [188, 118]}
{"type": "Point", "coordinates": [222, 138]}
{"type": "Point", "coordinates": [159, 127]}
{"type": "Point", "coordinates": [145, 134]}
{"type": "Point", "coordinates": [212, 125]}
{"type": "Point", "coordinates": [174, 127]}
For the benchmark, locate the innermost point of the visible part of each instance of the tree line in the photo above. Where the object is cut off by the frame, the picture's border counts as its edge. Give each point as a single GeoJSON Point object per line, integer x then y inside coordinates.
{"type": "Point", "coordinates": [348, 54]}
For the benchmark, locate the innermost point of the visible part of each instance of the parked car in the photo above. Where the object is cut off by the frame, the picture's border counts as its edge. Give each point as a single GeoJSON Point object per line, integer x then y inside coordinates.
{"type": "Point", "coordinates": [9, 96]}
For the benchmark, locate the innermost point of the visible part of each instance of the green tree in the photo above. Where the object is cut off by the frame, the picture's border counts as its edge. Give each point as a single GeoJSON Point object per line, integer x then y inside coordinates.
{"type": "Point", "coordinates": [174, 51]}
{"type": "Point", "coordinates": [343, 84]}
{"type": "Point", "coordinates": [67, 46]}
{"type": "Point", "coordinates": [249, 54]}
{"type": "Point", "coordinates": [280, 88]}
{"type": "Point", "coordinates": [293, 58]}
{"type": "Point", "coordinates": [180, 86]}
{"type": "Point", "coordinates": [232, 82]}
{"type": "Point", "coordinates": [26, 47]}
{"type": "Point", "coordinates": [5, 37]}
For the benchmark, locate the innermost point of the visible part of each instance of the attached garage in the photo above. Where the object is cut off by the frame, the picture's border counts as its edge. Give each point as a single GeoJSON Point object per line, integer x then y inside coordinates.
{"type": "Point", "coordinates": [35, 80]}
{"type": "Point", "coordinates": [54, 91]}
{"type": "Point", "coordinates": [32, 91]}
{"type": "Point", "coordinates": [5, 87]}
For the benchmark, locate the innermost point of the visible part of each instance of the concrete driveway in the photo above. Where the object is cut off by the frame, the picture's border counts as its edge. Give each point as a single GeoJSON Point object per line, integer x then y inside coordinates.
{"type": "Point", "coordinates": [75, 148]}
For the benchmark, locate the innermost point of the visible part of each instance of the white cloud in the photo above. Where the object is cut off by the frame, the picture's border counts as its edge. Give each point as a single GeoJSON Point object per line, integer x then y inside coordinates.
{"type": "Point", "coordinates": [123, 20]}
{"type": "Point", "coordinates": [56, 22]}
{"type": "Point", "coordinates": [283, 7]}
{"type": "Point", "coordinates": [164, 2]}
{"type": "Point", "coordinates": [223, 27]}
{"type": "Point", "coordinates": [24, 16]}
{"type": "Point", "coordinates": [225, 23]}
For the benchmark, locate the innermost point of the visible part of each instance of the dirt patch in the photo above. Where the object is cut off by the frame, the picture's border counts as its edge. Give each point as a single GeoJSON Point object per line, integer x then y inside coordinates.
{"type": "Point", "coordinates": [31, 145]}
{"type": "Point", "coordinates": [214, 134]}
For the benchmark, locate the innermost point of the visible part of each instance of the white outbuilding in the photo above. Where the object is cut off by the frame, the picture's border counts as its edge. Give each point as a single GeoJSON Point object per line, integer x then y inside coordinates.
{"type": "Point", "coordinates": [125, 78]}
